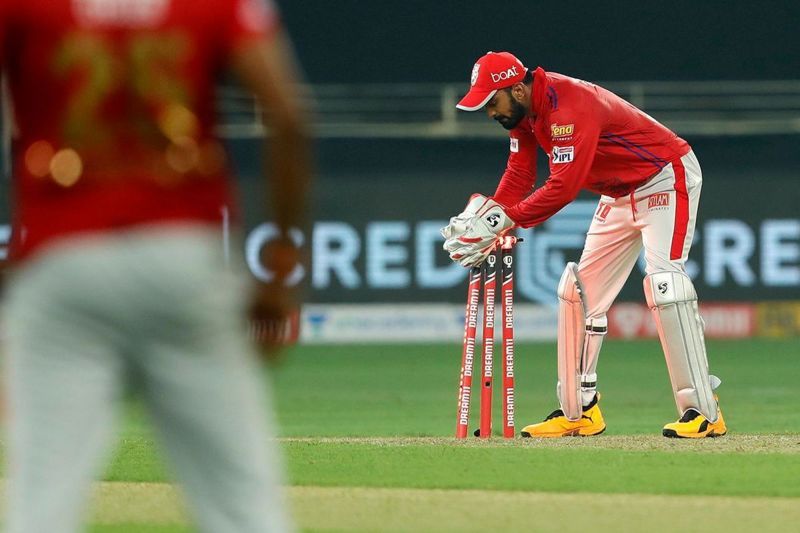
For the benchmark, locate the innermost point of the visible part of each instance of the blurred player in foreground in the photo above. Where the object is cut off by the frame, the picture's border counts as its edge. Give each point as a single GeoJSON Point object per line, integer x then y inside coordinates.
{"type": "Point", "coordinates": [118, 276]}
{"type": "Point", "coordinates": [650, 184]}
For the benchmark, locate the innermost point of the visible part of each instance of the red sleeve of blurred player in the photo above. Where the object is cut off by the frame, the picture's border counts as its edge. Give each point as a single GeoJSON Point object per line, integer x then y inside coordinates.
{"type": "Point", "coordinates": [520, 176]}
{"type": "Point", "coordinates": [570, 162]}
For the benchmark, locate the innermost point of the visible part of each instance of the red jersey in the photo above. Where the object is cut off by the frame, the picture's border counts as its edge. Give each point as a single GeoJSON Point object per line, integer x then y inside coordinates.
{"type": "Point", "coordinates": [594, 139]}
{"type": "Point", "coordinates": [113, 105]}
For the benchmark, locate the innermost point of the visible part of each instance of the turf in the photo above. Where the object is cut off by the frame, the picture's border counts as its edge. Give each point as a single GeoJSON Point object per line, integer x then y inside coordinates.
{"type": "Point", "coordinates": [367, 432]}
{"type": "Point", "coordinates": [411, 390]}
{"type": "Point", "coordinates": [527, 467]}
{"type": "Point", "coordinates": [362, 509]}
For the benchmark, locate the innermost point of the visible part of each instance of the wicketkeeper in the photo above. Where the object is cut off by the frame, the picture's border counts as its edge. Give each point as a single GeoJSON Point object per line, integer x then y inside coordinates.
{"type": "Point", "coordinates": [649, 181]}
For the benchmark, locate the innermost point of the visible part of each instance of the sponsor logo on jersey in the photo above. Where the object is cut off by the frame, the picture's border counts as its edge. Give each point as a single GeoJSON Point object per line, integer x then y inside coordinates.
{"type": "Point", "coordinates": [560, 131]}
{"type": "Point", "coordinates": [475, 71]}
{"type": "Point", "coordinates": [505, 74]}
{"type": "Point", "coordinates": [563, 154]}
{"type": "Point", "coordinates": [659, 199]}
{"type": "Point", "coordinates": [514, 144]}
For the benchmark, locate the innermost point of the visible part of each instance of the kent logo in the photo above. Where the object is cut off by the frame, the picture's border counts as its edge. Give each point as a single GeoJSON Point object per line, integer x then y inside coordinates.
{"type": "Point", "coordinates": [565, 130]}
{"type": "Point", "coordinates": [504, 75]}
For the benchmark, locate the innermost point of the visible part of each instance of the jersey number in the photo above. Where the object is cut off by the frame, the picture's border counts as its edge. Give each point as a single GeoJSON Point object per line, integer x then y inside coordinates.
{"type": "Point", "coordinates": [143, 71]}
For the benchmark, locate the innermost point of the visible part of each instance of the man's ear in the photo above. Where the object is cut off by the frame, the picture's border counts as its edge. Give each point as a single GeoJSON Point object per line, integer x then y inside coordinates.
{"type": "Point", "coordinates": [518, 92]}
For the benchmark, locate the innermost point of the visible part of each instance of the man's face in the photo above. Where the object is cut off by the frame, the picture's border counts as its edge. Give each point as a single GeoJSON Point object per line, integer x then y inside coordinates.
{"type": "Point", "coordinates": [503, 108]}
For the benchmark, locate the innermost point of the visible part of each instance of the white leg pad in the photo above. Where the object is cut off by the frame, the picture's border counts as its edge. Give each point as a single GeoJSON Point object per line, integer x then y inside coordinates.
{"type": "Point", "coordinates": [673, 302]}
{"type": "Point", "coordinates": [571, 340]}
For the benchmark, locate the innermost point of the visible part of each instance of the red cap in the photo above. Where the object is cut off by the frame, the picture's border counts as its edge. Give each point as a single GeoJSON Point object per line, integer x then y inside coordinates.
{"type": "Point", "coordinates": [495, 70]}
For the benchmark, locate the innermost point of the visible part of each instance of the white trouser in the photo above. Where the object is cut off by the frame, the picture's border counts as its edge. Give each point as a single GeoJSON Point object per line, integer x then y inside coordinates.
{"type": "Point", "coordinates": [660, 215]}
{"type": "Point", "coordinates": [156, 309]}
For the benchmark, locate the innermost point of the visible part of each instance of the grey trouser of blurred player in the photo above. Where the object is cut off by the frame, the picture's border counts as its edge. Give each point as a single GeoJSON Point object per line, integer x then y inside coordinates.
{"type": "Point", "coordinates": [157, 309]}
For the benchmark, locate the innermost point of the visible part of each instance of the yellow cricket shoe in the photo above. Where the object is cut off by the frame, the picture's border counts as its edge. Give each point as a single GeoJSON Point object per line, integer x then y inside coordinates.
{"type": "Point", "coordinates": [558, 425]}
{"type": "Point", "coordinates": [693, 425]}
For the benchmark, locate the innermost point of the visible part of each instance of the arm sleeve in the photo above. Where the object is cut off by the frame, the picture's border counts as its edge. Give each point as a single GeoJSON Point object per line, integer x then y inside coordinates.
{"type": "Point", "coordinates": [519, 177]}
{"type": "Point", "coordinates": [570, 163]}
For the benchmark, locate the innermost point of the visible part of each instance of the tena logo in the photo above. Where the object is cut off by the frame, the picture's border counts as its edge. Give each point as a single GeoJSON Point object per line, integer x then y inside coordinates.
{"type": "Point", "coordinates": [559, 131]}
{"type": "Point", "coordinates": [475, 71]}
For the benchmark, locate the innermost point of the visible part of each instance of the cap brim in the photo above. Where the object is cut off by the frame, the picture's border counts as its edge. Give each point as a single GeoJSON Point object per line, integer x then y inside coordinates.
{"type": "Point", "coordinates": [475, 100]}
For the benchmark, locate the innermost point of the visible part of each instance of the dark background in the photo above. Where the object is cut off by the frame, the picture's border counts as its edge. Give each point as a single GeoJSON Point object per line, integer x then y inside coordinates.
{"type": "Point", "coordinates": [379, 41]}
{"type": "Point", "coordinates": [744, 178]}
{"type": "Point", "coordinates": [749, 178]}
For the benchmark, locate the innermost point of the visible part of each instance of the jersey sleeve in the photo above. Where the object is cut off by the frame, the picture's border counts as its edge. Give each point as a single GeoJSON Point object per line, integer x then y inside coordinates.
{"type": "Point", "coordinates": [570, 161]}
{"type": "Point", "coordinates": [519, 177]}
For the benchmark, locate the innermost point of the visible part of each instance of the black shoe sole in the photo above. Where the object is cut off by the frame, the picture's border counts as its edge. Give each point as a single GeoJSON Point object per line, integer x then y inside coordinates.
{"type": "Point", "coordinates": [527, 435]}
{"type": "Point", "coordinates": [672, 434]}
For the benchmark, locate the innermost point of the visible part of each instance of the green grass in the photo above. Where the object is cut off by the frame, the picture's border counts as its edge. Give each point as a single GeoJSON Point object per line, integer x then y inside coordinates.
{"type": "Point", "coordinates": [528, 468]}
{"type": "Point", "coordinates": [411, 390]}
{"type": "Point", "coordinates": [383, 417]}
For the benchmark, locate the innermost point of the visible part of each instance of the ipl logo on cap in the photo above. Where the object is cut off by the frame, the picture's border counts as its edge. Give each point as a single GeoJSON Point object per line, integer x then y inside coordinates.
{"type": "Point", "coordinates": [474, 77]}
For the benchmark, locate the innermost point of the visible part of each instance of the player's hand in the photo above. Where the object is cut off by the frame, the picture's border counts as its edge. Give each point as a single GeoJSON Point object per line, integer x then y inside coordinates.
{"type": "Point", "coordinates": [274, 315]}
{"type": "Point", "coordinates": [457, 224]}
{"type": "Point", "coordinates": [274, 310]}
{"type": "Point", "coordinates": [481, 234]}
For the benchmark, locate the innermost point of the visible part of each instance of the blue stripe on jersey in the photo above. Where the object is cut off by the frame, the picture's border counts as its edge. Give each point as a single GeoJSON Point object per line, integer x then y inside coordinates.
{"type": "Point", "coordinates": [636, 150]}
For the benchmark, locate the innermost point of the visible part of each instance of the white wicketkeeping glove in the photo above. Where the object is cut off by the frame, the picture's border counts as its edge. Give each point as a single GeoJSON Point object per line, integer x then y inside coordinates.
{"type": "Point", "coordinates": [458, 223]}
{"type": "Point", "coordinates": [475, 236]}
